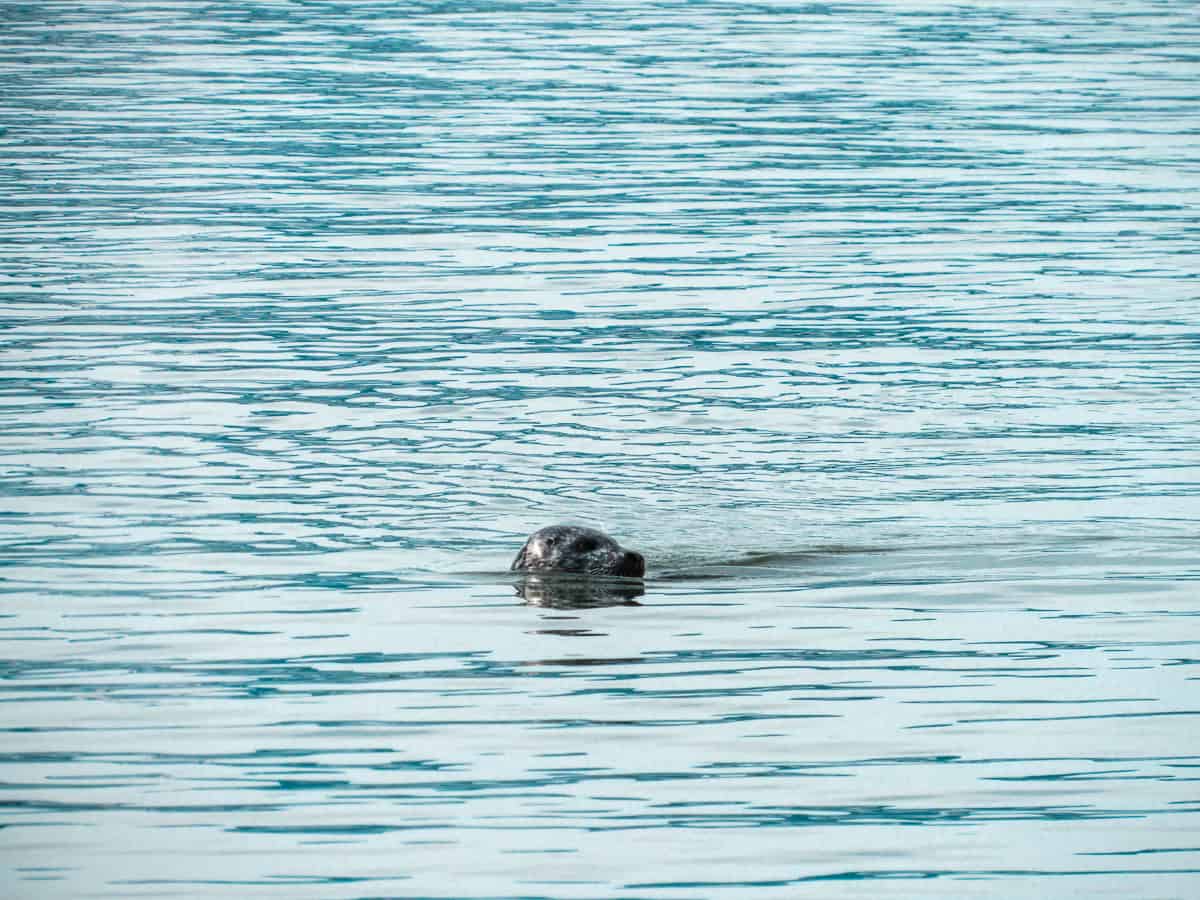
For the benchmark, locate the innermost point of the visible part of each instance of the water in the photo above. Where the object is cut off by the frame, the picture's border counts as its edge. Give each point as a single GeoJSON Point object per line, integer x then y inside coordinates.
{"type": "Point", "coordinates": [873, 326]}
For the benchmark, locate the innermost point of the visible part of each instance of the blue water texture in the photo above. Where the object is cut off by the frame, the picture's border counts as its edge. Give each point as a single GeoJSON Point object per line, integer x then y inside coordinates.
{"type": "Point", "coordinates": [875, 327]}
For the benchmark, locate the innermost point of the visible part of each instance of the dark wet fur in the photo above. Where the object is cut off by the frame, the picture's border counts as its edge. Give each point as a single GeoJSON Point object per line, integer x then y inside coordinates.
{"type": "Point", "coordinates": [580, 551]}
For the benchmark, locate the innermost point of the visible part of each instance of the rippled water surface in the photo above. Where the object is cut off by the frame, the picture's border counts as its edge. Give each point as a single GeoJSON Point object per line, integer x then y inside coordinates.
{"type": "Point", "coordinates": [875, 327]}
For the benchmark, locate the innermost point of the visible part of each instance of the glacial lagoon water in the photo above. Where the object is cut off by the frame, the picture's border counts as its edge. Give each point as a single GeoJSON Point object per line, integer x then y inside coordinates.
{"type": "Point", "coordinates": [875, 327]}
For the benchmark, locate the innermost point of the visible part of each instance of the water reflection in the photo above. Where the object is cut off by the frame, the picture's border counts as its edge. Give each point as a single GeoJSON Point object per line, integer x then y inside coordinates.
{"type": "Point", "coordinates": [576, 592]}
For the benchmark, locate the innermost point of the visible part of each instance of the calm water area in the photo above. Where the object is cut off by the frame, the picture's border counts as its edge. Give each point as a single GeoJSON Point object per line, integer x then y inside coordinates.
{"type": "Point", "coordinates": [874, 326]}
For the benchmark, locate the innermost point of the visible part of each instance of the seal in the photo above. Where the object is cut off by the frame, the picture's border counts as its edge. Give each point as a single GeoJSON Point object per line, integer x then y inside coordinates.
{"type": "Point", "coordinates": [578, 550]}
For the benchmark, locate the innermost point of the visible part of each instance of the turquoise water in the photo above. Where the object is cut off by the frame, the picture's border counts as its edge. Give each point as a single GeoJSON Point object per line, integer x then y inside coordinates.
{"type": "Point", "coordinates": [876, 328]}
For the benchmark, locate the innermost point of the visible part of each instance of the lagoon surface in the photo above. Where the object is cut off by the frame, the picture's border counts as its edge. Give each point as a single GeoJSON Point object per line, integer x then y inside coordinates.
{"type": "Point", "coordinates": [875, 327]}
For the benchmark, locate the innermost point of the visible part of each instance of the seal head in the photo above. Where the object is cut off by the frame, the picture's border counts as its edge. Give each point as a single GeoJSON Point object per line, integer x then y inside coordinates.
{"type": "Point", "coordinates": [578, 550]}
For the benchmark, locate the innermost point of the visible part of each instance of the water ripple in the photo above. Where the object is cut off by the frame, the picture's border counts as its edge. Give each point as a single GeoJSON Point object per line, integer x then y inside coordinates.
{"type": "Point", "coordinates": [873, 327]}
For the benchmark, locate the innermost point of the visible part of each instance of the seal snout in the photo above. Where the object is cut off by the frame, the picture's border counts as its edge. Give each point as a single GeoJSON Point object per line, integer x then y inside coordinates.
{"type": "Point", "coordinates": [633, 565]}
